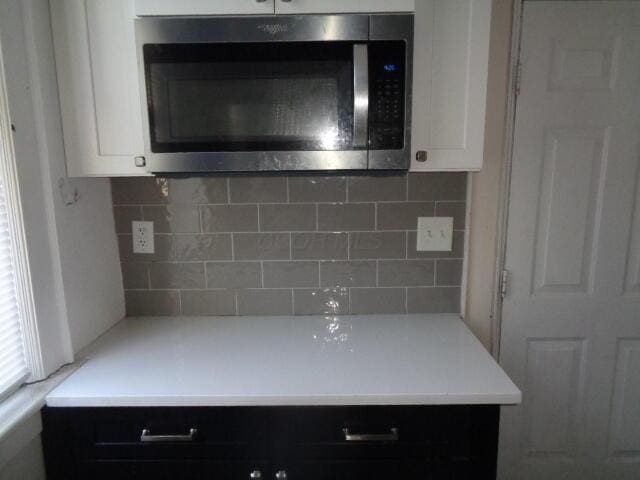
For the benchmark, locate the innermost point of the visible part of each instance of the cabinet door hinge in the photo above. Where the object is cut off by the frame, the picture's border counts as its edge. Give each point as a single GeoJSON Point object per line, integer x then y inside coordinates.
{"type": "Point", "coordinates": [518, 84]}
{"type": "Point", "coordinates": [504, 280]}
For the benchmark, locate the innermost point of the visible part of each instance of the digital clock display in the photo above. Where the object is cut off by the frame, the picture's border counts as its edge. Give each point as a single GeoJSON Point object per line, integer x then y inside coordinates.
{"type": "Point", "coordinates": [391, 67]}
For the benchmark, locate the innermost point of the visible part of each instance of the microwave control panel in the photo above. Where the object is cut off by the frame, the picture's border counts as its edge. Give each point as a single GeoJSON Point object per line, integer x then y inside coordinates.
{"type": "Point", "coordinates": [386, 95]}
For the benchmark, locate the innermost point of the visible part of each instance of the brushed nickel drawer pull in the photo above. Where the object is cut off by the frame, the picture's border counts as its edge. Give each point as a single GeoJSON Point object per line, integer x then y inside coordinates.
{"type": "Point", "coordinates": [147, 437]}
{"type": "Point", "coordinates": [392, 436]}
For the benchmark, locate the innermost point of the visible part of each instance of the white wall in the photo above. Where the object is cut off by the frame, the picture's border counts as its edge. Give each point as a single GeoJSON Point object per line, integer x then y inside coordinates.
{"type": "Point", "coordinates": [89, 259]}
{"type": "Point", "coordinates": [487, 184]}
{"type": "Point", "coordinates": [21, 452]}
{"type": "Point", "coordinates": [72, 249]}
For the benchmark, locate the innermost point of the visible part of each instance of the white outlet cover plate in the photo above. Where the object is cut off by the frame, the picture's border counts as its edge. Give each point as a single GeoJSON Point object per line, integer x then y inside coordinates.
{"type": "Point", "coordinates": [435, 234]}
{"type": "Point", "coordinates": [142, 237]}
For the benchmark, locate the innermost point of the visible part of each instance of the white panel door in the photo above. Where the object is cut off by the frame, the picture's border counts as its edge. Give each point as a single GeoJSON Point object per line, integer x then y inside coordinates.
{"type": "Point", "coordinates": [451, 57]}
{"type": "Point", "coordinates": [100, 99]}
{"type": "Point", "coordinates": [343, 6]}
{"type": "Point", "coordinates": [203, 7]}
{"type": "Point", "coordinates": [571, 319]}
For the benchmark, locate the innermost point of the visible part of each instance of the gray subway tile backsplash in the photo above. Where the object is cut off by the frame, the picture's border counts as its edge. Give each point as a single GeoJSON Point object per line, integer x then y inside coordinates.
{"type": "Point", "coordinates": [448, 273]}
{"type": "Point", "coordinates": [441, 186]}
{"type": "Point", "coordinates": [176, 275]}
{"type": "Point", "coordinates": [202, 246]}
{"type": "Point", "coordinates": [287, 217]}
{"type": "Point", "coordinates": [321, 301]}
{"type": "Point", "coordinates": [456, 252]}
{"type": "Point", "coordinates": [319, 246]}
{"type": "Point", "coordinates": [378, 300]}
{"type": "Point", "coordinates": [152, 302]}
{"type": "Point", "coordinates": [345, 217]}
{"type": "Point", "coordinates": [302, 244]}
{"type": "Point", "coordinates": [164, 249]}
{"type": "Point", "coordinates": [266, 189]}
{"type": "Point", "coordinates": [234, 275]}
{"type": "Point", "coordinates": [290, 274]}
{"type": "Point", "coordinates": [374, 245]}
{"type": "Point", "coordinates": [229, 218]}
{"type": "Point", "coordinates": [139, 191]}
{"type": "Point", "coordinates": [261, 246]}
{"type": "Point", "coordinates": [208, 302]}
{"type": "Point", "coordinates": [265, 302]}
{"type": "Point", "coordinates": [135, 276]}
{"type": "Point", "coordinates": [197, 190]}
{"type": "Point", "coordinates": [314, 188]}
{"type": "Point", "coordinates": [404, 215]}
{"type": "Point", "coordinates": [124, 215]}
{"type": "Point", "coordinates": [173, 218]}
{"type": "Point", "coordinates": [377, 188]}
{"type": "Point", "coordinates": [406, 273]}
{"type": "Point", "coordinates": [348, 273]}
{"type": "Point", "coordinates": [433, 300]}
{"type": "Point", "coordinates": [457, 210]}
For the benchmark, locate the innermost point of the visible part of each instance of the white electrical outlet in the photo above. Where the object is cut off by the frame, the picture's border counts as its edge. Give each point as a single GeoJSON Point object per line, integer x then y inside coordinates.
{"type": "Point", "coordinates": [435, 234]}
{"type": "Point", "coordinates": [142, 237]}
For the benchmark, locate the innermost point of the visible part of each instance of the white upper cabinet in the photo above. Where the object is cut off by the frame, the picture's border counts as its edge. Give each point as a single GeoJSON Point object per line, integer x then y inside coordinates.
{"type": "Point", "coordinates": [344, 6]}
{"type": "Point", "coordinates": [203, 7]}
{"type": "Point", "coordinates": [100, 96]}
{"type": "Point", "coordinates": [451, 58]}
{"type": "Point", "coordinates": [98, 84]}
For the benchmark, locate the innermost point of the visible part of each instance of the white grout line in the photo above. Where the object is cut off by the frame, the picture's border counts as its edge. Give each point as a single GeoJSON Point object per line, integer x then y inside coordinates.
{"type": "Point", "coordinates": [288, 194]}
{"type": "Point", "coordinates": [235, 301]}
{"type": "Point", "coordinates": [406, 193]}
{"type": "Point", "coordinates": [406, 299]}
{"type": "Point", "coordinates": [258, 215]}
{"type": "Point", "coordinates": [233, 254]}
{"type": "Point", "coordinates": [293, 302]}
{"type": "Point", "coordinates": [321, 202]}
{"type": "Point", "coordinates": [375, 216]}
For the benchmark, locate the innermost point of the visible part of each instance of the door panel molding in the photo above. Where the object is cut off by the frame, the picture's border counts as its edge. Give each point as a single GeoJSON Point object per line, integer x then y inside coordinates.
{"type": "Point", "coordinates": [568, 212]}
{"type": "Point", "coordinates": [624, 429]}
{"type": "Point", "coordinates": [556, 365]}
{"type": "Point", "coordinates": [632, 280]}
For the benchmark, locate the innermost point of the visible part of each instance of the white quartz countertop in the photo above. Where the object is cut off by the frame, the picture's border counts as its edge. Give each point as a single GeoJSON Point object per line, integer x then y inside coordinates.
{"type": "Point", "coordinates": [305, 360]}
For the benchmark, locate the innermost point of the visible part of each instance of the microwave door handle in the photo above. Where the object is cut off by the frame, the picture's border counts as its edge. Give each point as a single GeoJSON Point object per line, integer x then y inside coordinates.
{"type": "Point", "coordinates": [360, 95]}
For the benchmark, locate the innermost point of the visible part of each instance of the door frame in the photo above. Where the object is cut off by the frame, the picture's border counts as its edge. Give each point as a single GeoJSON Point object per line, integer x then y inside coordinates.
{"type": "Point", "coordinates": [505, 181]}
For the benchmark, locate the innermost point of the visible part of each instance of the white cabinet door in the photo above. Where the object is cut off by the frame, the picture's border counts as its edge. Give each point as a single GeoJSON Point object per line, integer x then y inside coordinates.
{"type": "Point", "coordinates": [98, 83]}
{"type": "Point", "coordinates": [344, 6]}
{"type": "Point", "coordinates": [451, 58]}
{"type": "Point", "coordinates": [203, 7]}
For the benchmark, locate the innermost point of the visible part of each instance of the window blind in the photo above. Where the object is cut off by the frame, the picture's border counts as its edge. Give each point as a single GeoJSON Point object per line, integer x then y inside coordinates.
{"type": "Point", "coordinates": [13, 364]}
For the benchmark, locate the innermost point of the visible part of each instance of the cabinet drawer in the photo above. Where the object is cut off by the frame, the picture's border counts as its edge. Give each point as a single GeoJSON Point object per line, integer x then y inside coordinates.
{"type": "Point", "coordinates": [170, 433]}
{"type": "Point", "coordinates": [430, 435]}
{"type": "Point", "coordinates": [319, 425]}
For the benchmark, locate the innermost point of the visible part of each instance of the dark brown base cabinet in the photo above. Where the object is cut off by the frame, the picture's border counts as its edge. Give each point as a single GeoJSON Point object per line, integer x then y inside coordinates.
{"type": "Point", "coordinates": [279, 443]}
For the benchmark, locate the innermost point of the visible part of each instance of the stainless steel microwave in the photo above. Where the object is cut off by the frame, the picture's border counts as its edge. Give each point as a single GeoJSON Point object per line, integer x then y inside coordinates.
{"type": "Point", "coordinates": [312, 92]}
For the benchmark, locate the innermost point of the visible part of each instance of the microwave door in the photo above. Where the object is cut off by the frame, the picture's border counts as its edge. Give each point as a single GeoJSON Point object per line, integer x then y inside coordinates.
{"type": "Point", "coordinates": [360, 95]}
